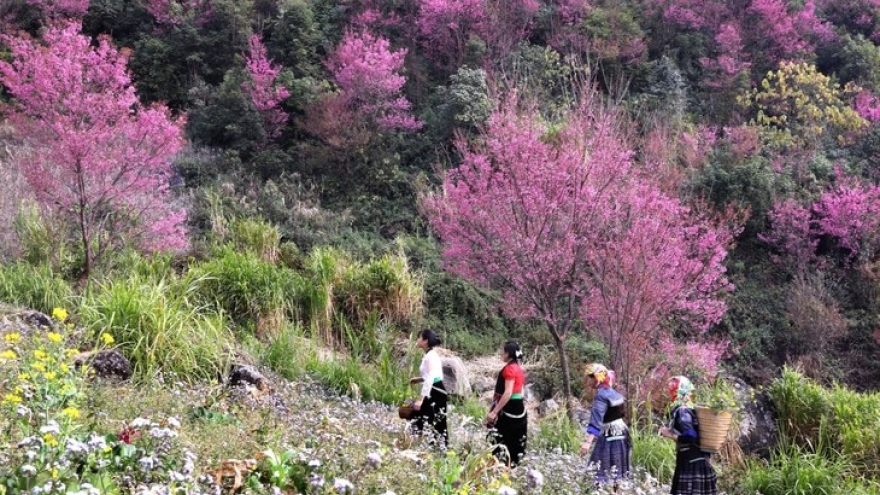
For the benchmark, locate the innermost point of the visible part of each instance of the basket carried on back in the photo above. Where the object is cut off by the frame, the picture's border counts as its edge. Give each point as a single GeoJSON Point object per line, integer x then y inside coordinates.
{"type": "Point", "coordinates": [713, 426]}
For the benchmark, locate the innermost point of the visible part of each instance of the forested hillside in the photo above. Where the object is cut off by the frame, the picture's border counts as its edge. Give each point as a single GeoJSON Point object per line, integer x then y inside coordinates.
{"type": "Point", "coordinates": [694, 178]}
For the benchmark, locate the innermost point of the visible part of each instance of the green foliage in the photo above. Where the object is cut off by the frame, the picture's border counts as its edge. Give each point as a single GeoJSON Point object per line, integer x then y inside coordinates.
{"type": "Point", "coordinates": [385, 287]}
{"type": "Point", "coordinates": [653, 452]}
{"type": "Point", "coordinates": [719, 394]}
{"type": "Point", "coordinates": [35, 287]}
{"type": "Point", "coordinates": [860, 58]}
{"type": "Point", "coordinates": [474, 473]}
{"type": "Point", "coordinates": [294, 41]}
{"type": "Point", "coordinates": [557, 430]}
{"type": "Point", "coordinates": [386, 381]}
{"type": "Point", "coordinates": [840, 420]}
{"type": "Point", "coordinates": [797, 471]}
{"type": "Point", "coordinates": [157, 326]}
{"type": "Point", "coordinates": [253, 293]}
{"type": "Point", "coordinates": [226, 117]}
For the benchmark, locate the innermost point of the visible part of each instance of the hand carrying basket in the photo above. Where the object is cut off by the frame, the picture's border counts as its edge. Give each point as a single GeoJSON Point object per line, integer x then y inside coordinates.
{"type": "Point", "coordinates": [713, 427]}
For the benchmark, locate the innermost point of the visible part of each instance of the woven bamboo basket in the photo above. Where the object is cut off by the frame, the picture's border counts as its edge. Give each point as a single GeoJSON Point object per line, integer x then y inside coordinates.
{"type": "Point", "coordinates": [714, 425]}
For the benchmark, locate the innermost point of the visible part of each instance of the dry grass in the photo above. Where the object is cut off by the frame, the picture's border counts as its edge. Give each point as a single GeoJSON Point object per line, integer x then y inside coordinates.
{"type": "Point", "coordinates": [13, 191]}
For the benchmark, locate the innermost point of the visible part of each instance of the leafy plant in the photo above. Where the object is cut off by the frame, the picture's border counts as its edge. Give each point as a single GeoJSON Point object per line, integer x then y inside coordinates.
{"type": "Point", "coordinates": [717, 395]}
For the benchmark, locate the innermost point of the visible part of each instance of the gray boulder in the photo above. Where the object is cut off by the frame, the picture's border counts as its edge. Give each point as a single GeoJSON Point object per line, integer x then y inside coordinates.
{"type": "Point", "coordinates": [109, 364]}
{"type": "Point", "coordinates": [757, 427]}
{"type": "Point", "coordinates": [245, 374]}
{"type": "Point", "coordinates": [455, 376]}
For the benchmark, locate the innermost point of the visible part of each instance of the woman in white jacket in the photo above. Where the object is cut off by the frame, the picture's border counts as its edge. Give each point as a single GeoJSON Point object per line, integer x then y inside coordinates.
{"type": "Point", "coordinates": [430, 408]}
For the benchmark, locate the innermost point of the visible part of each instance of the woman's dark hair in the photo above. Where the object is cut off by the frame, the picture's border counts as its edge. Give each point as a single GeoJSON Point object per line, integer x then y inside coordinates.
{"type": "Point", "coordinates": [512, 350]}
{"type": "Point", "coordinates": [431, 337]}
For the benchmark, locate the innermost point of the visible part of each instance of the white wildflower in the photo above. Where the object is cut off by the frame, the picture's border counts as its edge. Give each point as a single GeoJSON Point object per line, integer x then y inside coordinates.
{"type": "Point", "coordinates": [506, 490]}
{"type": "Point", "coordinates": [162, 433]}
{"type": "Point", "coordinates": [76, 447]}
{"type": "Point", "coordinates": [140, 423]}
{"type": "Point", "coordinates": [28, 470]}
{"type": "Point", "coordinates": [374, 458]}
{"type": "Point", "coordinates": [51, 428]}
{"type": "Point", "coordinates": [316, 480]}
{"type": "Point", "coordinates": [342, 485]}
{"type": "Point", "coordinates": [173, 422]}
{"type": "Point", "coordinates": [536, 477]}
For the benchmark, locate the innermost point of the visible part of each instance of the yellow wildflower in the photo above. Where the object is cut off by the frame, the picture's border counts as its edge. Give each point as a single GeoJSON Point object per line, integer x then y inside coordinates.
{"type": "Point", "coordinates": [64, 367]}
{"type": "Point", "coordinates": [39, 367]}
{"type": "Point", "coordinates": [71, 412]}
{"type": "Point", "coordinates": [59, 314]}
{"type": "Point", "coordinates": [51, 375]}
{"type": "Point", "coordinates": [12, 338]}
{"type": "Point", "coordinates": [50, 440]}
{"type": "Point", "coordinates": [70, 352]}
{"type": "Point", "coordinates": [107, 339]}
{"type": "Point", "coordinates": [12, 399]}
{"type": "Point", "coordinates": [54, 337]}
{"type": "Point", "coordinates": [24, 377]}
{"type": "Point", "coordinates": [8, 354]}
{"type": "Point", "coordinates": [54, 473]}
{"type": "Point", "coordinates": [40, 354]}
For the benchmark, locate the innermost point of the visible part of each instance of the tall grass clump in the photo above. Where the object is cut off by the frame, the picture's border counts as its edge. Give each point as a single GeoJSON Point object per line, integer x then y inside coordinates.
{"type": "Point", "coordinates": [653, 452]}
{"type": "Point", "coordinates": [34, 286]}
{"type": "Point", "coordinates": [42, 241]}
{"type": "Point", "coordinates": [557, 430]}
{"type": "Point", "coordinates": [324, 268]}
{"type": "Point", "coordinates": [158, 328]}
{"type": "Point", "coordinates": [288, 351]}
{"type": "Point", "coordinates": [252, 292]}
{"type": "Point", "coordinates": [793, 470]}
{"type": "Point", "coordinates": [256, 236]}
{"type": "Point", "coordinates": [385, 286]}
{"type": "Point", "coordinates": [384, 380]}
{"type": "Point", "coordinates": [832, 421]}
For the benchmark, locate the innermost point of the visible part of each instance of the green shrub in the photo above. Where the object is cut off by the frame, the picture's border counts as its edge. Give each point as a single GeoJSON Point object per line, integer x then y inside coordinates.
{"type": "Point", "coordinates": [34, 287]}
{"type": "Point", "coordinates": [386, 286]}
{"type": "Point", "coordinates": [158, 329]}
{"type": "Point", "coordinates": [252, 292]}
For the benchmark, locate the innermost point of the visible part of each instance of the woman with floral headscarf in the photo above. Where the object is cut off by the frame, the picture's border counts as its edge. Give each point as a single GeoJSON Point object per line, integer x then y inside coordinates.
{"type": "Point", "coordinates": [607, 430]}
{"type": "Point", "coordinates": [694, 474]}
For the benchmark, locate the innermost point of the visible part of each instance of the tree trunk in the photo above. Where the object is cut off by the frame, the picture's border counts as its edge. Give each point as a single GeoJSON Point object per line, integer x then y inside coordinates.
{"type": "Point", "coordinates": [559, 338]}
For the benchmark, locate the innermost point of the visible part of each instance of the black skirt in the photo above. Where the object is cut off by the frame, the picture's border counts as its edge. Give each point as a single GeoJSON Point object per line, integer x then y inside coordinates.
{"type": "Point", "coordinates": [694, 474]}
{"type": "Point", "coordinates": [510, 432]}
{"type": "Point", "coordinates": [430, 419]}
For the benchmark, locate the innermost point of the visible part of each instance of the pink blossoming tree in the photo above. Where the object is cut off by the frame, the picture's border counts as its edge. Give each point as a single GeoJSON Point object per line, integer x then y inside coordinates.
{"type": "Point", "coordinates": [847, 216]}
{"type": "Point", "coordinates": [97, 157]}
{"type": "Point", "coordinates": [368, 75]}
{"type": "Point", "coordinates": [264, 89]}
{"type": "Point", "coordinates": [567, 228]}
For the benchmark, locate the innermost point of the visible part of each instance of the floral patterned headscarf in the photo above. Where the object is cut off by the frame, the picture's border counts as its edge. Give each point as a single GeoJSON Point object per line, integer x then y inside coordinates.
{"type": "Point", "coordinates": [680, 390]}
{"type": "Point", "coordinates": [600, 373]}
